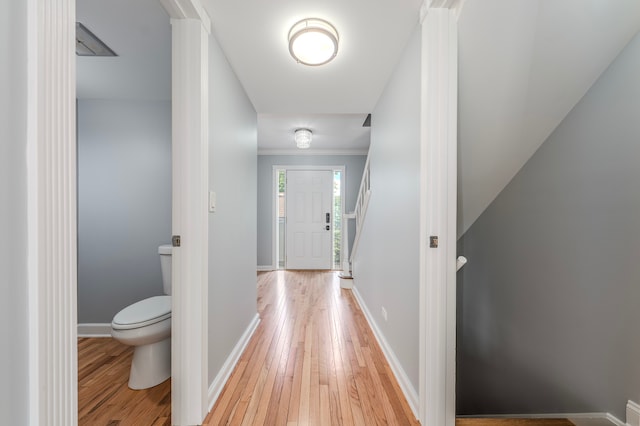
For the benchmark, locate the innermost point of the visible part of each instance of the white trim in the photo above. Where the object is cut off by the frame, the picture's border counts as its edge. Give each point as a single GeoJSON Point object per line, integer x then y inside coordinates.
{"type": "Point", "coordinates": [403, 380]}
{"type": "Point", "coordinates": [455, 5]}
{"type": "Point", "coordinates": [94, 330]}
{"type": "Point", "coordinates": [187, 9]}
{"type": "Point", "coordinates": [265, 268]}
{"type": "Point", "coordinates": [190, 164]}
{"type": "Point", "coordinates": [275, 235]}
{"type": "Point", "coordinates": [225, 372]}
{"type": "Point", "coordinates": [438, 198]}
{"type": "Point", "coordinates": [299, 153]}
{"type": "Point", "coordinates": [51, 213]}
{"type": "Point", "coordinates": [633, 414]}
{"type": "Point", "coordinates": [571, 416]}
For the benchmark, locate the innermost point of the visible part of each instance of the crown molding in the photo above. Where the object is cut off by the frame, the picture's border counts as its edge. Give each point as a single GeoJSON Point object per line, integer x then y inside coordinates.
{"type": "Point", "coordinates": [307, 152]}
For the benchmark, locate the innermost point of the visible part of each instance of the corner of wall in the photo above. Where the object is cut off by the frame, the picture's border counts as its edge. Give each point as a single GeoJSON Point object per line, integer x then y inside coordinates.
{"type": "Point", "coordinates": [633, 414]}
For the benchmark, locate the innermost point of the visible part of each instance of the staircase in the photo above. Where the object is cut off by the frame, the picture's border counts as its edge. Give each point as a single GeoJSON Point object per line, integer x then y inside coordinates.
{"type": "Point", "coordinates": [364, 193]}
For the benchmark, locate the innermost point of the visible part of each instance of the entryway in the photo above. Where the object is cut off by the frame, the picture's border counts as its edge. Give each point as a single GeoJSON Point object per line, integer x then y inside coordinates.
{"type": "Point", "coordinates": [308, 217]}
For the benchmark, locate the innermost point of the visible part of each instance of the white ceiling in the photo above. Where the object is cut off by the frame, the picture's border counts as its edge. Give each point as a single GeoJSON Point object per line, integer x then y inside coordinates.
{"type": "Point", "coordinates": [523, 65]}
{"type": "Point", "coordinates": [331, 100]}
{"type": "Point", "coordinates": [331, 132]}
{"type": "Point", "coordinates": [253, 35]}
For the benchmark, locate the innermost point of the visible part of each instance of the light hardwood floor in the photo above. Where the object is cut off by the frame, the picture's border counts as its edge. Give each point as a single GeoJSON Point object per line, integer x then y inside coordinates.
{"type": "Point", "coordinates": [313, 360]}
{"type": "Point", "coordinates": [104, 399]}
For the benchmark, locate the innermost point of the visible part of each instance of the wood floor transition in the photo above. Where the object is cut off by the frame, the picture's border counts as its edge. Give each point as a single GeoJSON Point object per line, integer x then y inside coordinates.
{"type": "Point", "coordinates": [313, 360]}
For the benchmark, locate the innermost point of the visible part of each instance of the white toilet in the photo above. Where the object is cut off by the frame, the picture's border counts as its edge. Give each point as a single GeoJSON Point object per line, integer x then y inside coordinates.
{"type": "Point", "coordinates": [147, 326]}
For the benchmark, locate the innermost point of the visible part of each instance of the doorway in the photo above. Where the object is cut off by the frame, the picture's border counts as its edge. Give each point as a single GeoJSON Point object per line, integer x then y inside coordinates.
{"type": "Point", "coordinates": [309, 204]}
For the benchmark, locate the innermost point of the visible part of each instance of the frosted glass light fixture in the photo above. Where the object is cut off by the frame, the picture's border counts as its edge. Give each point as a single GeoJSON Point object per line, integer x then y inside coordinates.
{"type": "Point", "coordinates": [302, 138]}
{"type": "Point", "coordinates": [313, 41]}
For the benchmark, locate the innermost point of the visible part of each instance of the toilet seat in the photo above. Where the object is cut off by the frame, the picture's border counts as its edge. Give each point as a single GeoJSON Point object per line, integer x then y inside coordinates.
{"type": "Point", "coordinates": [143, 313]}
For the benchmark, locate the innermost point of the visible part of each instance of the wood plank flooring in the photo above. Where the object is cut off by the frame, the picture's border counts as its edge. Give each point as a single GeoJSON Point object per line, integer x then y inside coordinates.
{"type": "Point", "coordinates": [104, 399]}
{"type": "Point", "coordinates": [313, 360]}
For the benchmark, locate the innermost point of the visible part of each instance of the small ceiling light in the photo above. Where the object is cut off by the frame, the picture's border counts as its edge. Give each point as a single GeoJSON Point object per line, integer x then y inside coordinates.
{"type": "Point", "coordinates": [302, 138]}
{"type": "Point", "coordinates": [313, 42]}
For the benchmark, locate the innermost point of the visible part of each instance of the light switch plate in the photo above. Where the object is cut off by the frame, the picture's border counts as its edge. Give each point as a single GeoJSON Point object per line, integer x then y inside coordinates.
{"type": "Point", "coordinates": [212, 202]}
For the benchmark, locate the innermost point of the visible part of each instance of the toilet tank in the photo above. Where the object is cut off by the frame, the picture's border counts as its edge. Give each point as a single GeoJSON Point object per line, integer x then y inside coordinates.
{"type": "Point", "coordinates": [165, 265]}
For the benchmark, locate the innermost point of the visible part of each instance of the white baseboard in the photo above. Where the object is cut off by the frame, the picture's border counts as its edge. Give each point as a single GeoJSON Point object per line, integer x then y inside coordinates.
{"type": "Point", "coordinates": [94, 330]}
{"type": "Point", "coordinates": [225, 372]}
{"type": "Point", "coordinates": [265, 268]}
{"type": "Point", "coordinates": [405, 384]}
{"type": "Point", "coordinates": [578, 419]}
{"type": "Point", "coordinates": [633, 414]}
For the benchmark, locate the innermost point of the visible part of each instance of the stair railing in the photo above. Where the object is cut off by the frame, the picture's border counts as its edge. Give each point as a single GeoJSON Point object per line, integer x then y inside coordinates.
{"type": "Point", "coordinates": [359, 214]}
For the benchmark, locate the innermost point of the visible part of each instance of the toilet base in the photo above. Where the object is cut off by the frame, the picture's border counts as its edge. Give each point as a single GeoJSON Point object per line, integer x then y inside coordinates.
{"type": "Point", "coordinates": [151, 364]}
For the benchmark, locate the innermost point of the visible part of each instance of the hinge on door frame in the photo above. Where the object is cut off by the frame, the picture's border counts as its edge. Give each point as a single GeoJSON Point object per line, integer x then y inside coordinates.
{"type": "Point", "coordinates": [175, 241]}
{"type": "Point", "coordinates": [433, 241]}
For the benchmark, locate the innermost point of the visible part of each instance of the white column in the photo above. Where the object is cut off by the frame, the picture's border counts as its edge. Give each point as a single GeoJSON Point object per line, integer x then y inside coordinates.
{"type": "Point", "coordinates": [190, 160]}
{"type": "Point", "coordinates": [438, 193]}
{"type": "Point", "coordinates": [51, 164]}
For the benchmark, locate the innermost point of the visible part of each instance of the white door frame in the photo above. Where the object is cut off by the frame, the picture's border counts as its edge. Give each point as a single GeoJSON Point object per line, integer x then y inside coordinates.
{"type": "Point", "coordinates": [51, 211]}
{"type": "Point", "coordinates": [438, 202]}
{"type": "Point", "coordinates": [274, 197]}
{"type": "Point", "coordinates": [51, 195]}
{"type": "Point", "coordinates": [190, 30]}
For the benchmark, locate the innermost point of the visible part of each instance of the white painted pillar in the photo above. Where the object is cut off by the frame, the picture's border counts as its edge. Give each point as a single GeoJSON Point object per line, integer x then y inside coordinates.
{"type": "Point", "coordinates": [438, 198]}
{"type": "Point", "coordinates": [190, 162]}
{"type": "Point", "coordinates": [51, 206]}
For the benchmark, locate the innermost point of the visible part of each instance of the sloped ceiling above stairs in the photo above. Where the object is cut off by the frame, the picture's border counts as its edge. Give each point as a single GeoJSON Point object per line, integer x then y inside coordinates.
{"type": "Point", "coordinates": [524, 64]}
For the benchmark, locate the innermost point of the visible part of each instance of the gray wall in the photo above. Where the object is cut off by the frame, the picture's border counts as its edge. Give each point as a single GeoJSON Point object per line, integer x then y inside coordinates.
{"type": "Point", "coordinates": [232, 228]}
{"type": "Point", "coordinates": [14, 353]}
{"type": "Point", "coordinates": [548, 303]}
{"type": "Point", "coordinates": [354, 165]}
{"type": "Point", "coordinates": [124, 203]}
{"type": "Point", "coordinates": [386, 267]}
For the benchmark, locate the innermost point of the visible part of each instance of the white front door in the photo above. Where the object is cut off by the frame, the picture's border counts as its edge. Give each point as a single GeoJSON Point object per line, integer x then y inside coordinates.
{"type": "Point", "coordinates": [309, 221]}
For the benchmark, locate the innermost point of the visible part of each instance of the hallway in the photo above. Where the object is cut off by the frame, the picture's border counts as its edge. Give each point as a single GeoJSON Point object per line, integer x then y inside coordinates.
{"type": "Point", "coordinates": [312, 360]}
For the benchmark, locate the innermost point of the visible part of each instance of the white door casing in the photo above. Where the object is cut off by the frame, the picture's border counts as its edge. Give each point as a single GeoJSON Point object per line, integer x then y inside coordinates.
{"type": "Point", "coordinates": [190, 28]}
{"type": "Point", "coordinates": [438, 203]}
{"type": "Point", "coordinates": [309, 219]}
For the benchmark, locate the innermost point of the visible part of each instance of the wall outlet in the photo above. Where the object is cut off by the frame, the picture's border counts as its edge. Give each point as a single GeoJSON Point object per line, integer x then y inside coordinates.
{"type": "Point", "coordinates": [384, 313]}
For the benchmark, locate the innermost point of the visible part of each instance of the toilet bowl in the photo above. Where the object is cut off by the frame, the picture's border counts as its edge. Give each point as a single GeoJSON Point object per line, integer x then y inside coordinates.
{"type": "Point", "coordinates": [146, 325]}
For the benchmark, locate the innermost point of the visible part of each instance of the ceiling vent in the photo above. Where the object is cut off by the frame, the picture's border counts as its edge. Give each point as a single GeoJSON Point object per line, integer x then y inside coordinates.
{"type": "Point", "coordinates": [87, 44]}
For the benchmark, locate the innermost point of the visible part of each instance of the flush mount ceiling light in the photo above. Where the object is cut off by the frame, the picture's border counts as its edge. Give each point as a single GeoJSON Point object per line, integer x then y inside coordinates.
{"type": "Point", "coordinates": [302, 138]}
{"type": "Point", "coordinates": [313, 41]}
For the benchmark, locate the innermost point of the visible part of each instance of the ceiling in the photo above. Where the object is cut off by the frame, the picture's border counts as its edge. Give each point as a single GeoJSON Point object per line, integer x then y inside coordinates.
{"type": "Point", "coordinates": [332, 133]}
{"type": "Point", "coordinates": [523, 65]}
{"type": "Point", "coordinates": [253, 35]}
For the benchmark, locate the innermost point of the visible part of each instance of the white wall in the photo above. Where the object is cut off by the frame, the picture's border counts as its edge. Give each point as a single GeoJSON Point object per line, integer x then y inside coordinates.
{"type": "Point", "coordinates": [124, 203]}
{"type": "Point", "coordinates": [14, 371]}
{"type": "Point", "coordinates": [232, 228]}
{"type": "Point", "coordinates": [548, 303]}
{"type": "Point", "coordinates": [354, 165]}
{"type": "Point", "coordinates": [386, 267]}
